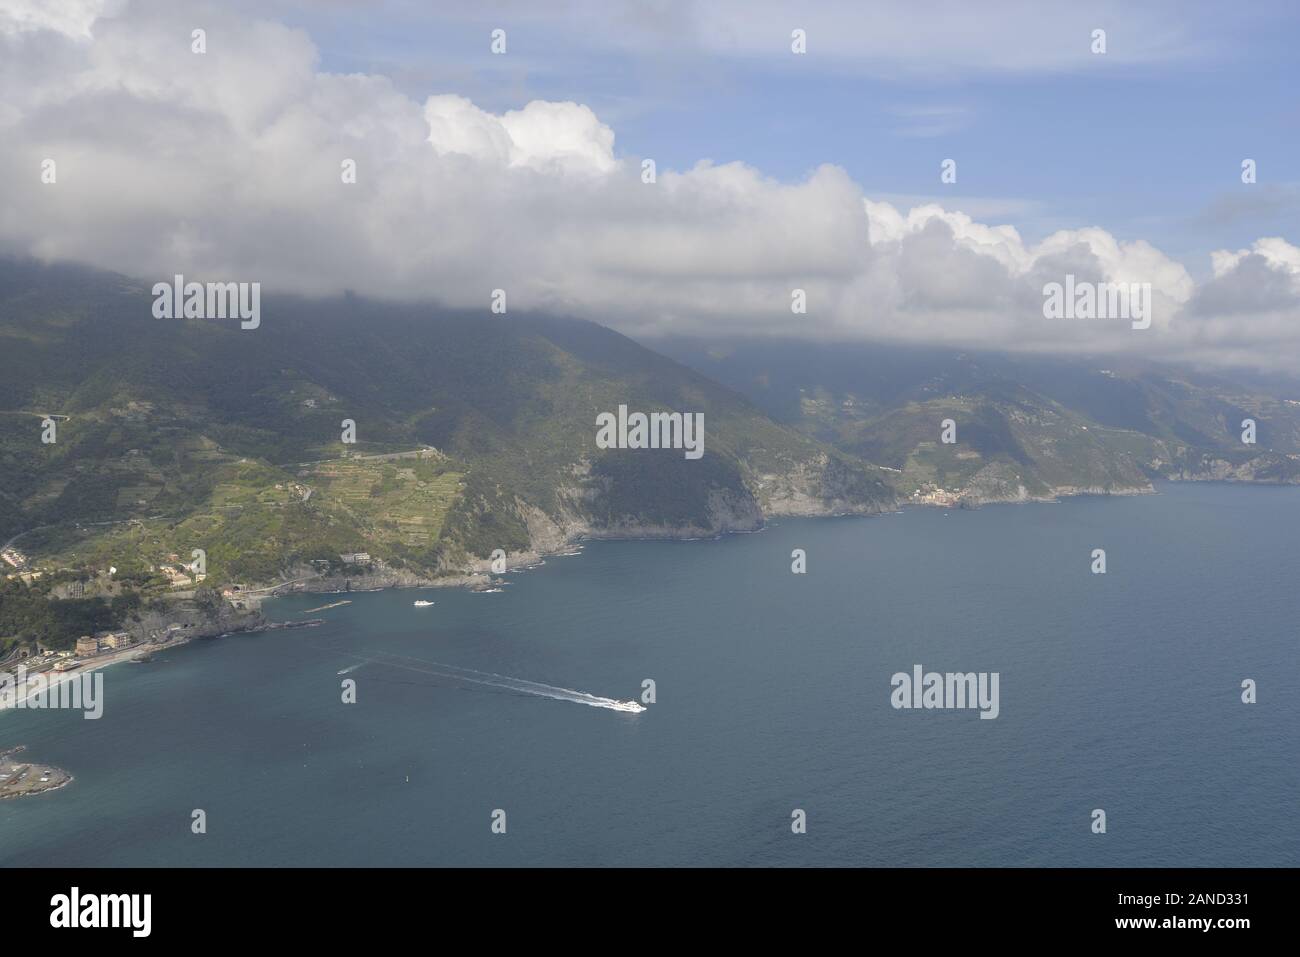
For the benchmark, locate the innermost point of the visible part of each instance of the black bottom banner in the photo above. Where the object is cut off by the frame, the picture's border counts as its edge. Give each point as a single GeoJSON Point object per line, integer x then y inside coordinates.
{"type": "Point", "coordinates": [618, 906]}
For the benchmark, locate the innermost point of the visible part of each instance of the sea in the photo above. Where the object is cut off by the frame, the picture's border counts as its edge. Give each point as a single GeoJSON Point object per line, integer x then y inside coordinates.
{"type": "Point", "coordinates": [472, 732]}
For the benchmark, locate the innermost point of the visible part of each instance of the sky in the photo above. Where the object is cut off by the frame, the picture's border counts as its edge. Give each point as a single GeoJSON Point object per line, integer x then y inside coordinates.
{"type": "Point", "coordinates": [1146, 140]}
{"type": "Point", "coordinates": [775, 170]}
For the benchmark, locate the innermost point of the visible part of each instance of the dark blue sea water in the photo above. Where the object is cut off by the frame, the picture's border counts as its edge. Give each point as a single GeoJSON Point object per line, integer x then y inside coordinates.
{"type": "Point", "coordinates": [1120, 692]}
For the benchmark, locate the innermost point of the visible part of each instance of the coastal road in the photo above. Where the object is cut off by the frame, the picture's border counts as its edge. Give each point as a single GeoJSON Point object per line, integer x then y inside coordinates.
{"type": "Point", "coordinates": [294, 581]}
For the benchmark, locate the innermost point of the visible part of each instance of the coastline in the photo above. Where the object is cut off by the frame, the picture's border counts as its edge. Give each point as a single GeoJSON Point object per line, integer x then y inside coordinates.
{"type": "Point", "coordinates": [148, 648]}
{"type": "Point", "coordinates": [518, 562]}
{"type": "Point", "coordinates": [561, 542]}
{"type": "Point", "coordinates": [589, 659]}
{"type": "Point", "coordinates": [11, 788]}
{"type": "Point", "coordinates": [569, 542]}
{"type": "Point", "coordinates": [89, 666]}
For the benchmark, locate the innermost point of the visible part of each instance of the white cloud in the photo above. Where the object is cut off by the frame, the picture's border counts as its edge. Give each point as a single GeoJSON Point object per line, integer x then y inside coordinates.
{"type": "Point", "coordinates": [1275, 251]}
{"type": "Point", "coordinates": [542, 135]}
{"type": "Point", "coordinates": [1249, 312]}
{"type": "Point", "coordinates": [227, 166]}
{"type": "Point", "coordinates": [72, 18]}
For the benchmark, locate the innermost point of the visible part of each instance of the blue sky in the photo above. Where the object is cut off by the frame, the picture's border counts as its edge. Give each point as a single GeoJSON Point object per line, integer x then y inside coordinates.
{"type": "Point", "coordinates": [1147, 144]}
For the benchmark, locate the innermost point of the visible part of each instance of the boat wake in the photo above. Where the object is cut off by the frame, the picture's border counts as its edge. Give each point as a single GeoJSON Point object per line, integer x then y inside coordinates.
{"type": "Point", "coordinates": [521, 685]}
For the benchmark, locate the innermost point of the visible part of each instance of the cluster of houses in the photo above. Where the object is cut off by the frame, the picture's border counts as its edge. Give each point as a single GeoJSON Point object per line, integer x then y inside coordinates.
{"type": "Point", "coordinates": [179, 574]}
{"type": "Point", "coordinates": [22, 567]}
{"type": "Point", "coordinates": [105, 641]}
{"type": "Point", "coordinates": [87, 647]}
{"type": "Point", "coordinates": [935, 495]}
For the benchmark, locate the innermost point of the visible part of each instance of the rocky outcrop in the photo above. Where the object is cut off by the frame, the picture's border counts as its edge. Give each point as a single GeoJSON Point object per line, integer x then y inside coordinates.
{"type": "Point", "coordinates": [182, 620]}
{"type": "Point", "coordinates": [822, 485]}
{"type": "Point", "coordinates": [1267, 468]}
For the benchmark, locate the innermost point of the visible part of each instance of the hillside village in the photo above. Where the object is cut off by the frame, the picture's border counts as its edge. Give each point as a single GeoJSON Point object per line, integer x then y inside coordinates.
{"type": "Point", "coordinates": [172, 603]}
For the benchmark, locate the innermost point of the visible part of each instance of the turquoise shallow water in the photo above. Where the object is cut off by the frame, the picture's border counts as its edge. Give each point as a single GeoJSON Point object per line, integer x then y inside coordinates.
{"type": "Point", "coordinates": [1119, 692]}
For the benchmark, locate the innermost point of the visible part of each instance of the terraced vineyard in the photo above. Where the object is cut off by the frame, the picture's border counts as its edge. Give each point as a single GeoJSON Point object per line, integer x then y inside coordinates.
{"type": "Point", "coordinates": [404, 499]}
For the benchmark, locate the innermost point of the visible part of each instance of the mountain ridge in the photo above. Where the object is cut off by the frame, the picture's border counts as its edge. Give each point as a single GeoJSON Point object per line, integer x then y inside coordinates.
{"type": "Point", "coordinates": [473, 433]}
{"type": "Point", "coordinates": [475, 440]}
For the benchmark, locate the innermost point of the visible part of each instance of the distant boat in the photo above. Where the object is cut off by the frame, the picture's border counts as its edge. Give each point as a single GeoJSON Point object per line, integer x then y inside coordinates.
{"type": "Point", "coordinates": [423, 604]}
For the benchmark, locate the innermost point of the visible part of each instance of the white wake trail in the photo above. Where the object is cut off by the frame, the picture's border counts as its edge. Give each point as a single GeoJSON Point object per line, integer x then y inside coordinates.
{"type": "Point", "coordinates": [494, 680]}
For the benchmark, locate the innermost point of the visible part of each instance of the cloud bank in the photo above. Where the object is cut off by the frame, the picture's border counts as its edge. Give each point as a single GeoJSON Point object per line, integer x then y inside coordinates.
{"type": "Point", "coordinates": [229, 165]}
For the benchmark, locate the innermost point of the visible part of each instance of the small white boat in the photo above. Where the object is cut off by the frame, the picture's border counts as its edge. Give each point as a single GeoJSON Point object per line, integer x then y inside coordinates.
{"type": "Point", "coordinates": [423, 604]}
